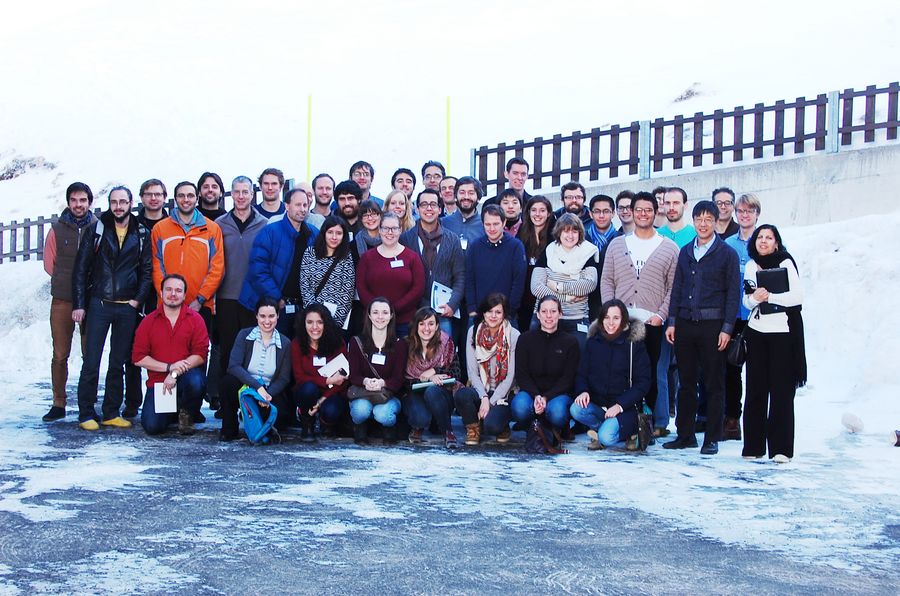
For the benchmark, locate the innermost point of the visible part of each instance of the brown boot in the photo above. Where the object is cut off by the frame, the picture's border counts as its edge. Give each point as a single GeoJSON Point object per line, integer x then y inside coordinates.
{"type": "Point", "coordinates": [731, 431]}
{"type": "Point", "coordinates": [185, 423]}
{"type": "Point", "coordinates": [473, 434]}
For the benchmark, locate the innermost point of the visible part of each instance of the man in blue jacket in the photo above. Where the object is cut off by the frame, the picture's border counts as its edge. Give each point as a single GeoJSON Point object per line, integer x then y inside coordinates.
{"type": "Point", "coordinates": [702, 311]}
{"type": "Point", "coordinates": [495, 262]}
{"type": "Point", "coordinates": [274, 268]}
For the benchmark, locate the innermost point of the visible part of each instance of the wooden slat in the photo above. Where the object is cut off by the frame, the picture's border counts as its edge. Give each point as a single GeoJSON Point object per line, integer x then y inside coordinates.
{"type": "Point", "coordinates": [538, 162]}
{"type": "Point", "coordinates": [614, 151]}
{"type": "Point", "coordinates": [800, 125]}
{"type": "Point", "coordinates": [821, 127]}
{"type": "Point", "coordinates": [657, 127]}
{"type": "Point", "coordinates": [698, 139]}
{"type": "Point", "coordinates": [847, 116]}
{"type": "Point", "coordinates": [634, 146]}
{"type": "Point", "coordinates": [556, 160]}
{"type": "Point", "coordinates": [576, 154]}
{"type": "Point", "coordinates": [893, 91]}
{"type": "Point", "coordinates": [500, 180]}
{"type": "Point", "coordinates": [758, 140]}
{"type": "Point", "coordinates": [482, 159]}
{"type": "Point", "coordinates": [679, 142]}
{"type": "Point", "coordinates": [869, 119]}
{"type": "Point", "coordinates": [718, 124]}
{"type": "Point", "coordinates": [779, 127]}
{"type": "Point", "coordinates": [738, 153]}
{"type": "Point", "coordinates": [26, 239]}
{"type": "Point", "coordinates": [595, 154]}
{"type": "Point", "coordinates": [13, 228]}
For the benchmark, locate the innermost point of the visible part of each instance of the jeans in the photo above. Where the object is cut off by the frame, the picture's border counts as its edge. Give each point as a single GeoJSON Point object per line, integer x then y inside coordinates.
{"type": "Point", "coordinates": [661, 410]}
{"type": "Point", "coordinates": [190, 389]}
{"type": "Point", "coordinates": [557, 410]}
{"type": "Point", "coordinates": [467, 404]}
{"type": "Point", "coordinates": [593, 417]}
{"type": "Point", "coordinates": [62, 328]}
{"type": "Point", "coordinates": [424, 404]}
{"type": "Point", "coordinates": [696, 348]}
{"type": "Point", "coordinates": [332, 410]}
{"type": "Point", "coordinates": [384, 414]}
{"type": "Point", "coordinates": [101, 315]}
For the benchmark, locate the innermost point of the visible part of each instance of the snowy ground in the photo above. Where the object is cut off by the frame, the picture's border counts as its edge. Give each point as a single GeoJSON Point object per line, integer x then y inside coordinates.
{"type": "Point", "coordinates": [136, 513]}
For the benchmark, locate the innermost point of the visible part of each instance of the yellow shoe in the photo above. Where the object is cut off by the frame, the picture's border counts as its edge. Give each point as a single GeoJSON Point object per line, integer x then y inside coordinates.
{"type": "Point", "coordinates": [89, 424]}
{"type": "Point", "coordinates": [118, 422]}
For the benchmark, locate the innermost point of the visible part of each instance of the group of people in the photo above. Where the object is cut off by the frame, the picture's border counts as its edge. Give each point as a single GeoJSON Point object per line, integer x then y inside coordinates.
{"type": "Point", "coordinates": [356, 315]}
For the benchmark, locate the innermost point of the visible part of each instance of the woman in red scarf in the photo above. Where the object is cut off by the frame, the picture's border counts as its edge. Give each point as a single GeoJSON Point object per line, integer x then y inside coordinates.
{"type": "Point", "coordinates": [490, 357]}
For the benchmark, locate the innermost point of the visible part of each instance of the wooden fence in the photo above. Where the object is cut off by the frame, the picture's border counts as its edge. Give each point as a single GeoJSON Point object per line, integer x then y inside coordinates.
{"type": "Point", "coordinates": [826, 122]}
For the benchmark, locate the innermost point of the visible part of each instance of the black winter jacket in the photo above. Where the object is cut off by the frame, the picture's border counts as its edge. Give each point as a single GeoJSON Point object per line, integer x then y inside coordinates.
{"type": "Point", "coordinates": [103, 270]}
{"type": "Point", "coordinates": [546, 363]}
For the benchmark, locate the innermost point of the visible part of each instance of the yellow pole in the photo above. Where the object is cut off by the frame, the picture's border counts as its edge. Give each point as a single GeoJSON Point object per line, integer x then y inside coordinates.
{"type": "Point", "coordinates": [308, 134]}
{"type": "Point", "coordinates": [448, 134]}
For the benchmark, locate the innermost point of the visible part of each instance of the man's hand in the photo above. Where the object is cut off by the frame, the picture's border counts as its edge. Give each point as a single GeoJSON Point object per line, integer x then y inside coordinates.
{"type": "Point", "coordinates": [724, 338]}
{"type": "Point", "coordinates": [195, 305]}
{"type": "Point", "coordinates": [670, 334]}
{"type": "Point", "coordinates": [654, 321]}
{"type": "Point", "coordinates": [445, 310]}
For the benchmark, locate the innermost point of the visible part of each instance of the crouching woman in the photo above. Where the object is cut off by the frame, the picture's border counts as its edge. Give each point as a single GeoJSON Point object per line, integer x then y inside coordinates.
{"type": "Point", "coordinates": [613, 377]}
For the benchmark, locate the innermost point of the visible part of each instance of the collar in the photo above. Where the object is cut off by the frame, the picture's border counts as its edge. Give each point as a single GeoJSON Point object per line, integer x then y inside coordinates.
{"type": "Point", "coordinates": [256, 335]}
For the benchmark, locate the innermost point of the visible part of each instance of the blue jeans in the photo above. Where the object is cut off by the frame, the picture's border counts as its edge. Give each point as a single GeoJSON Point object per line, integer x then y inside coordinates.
{"type": "Point", "coordinates": [384, 414]}
{"type": "Point", "coordinates": [101, 315]}
{"type": "Point", "coordinates": [467, 403]}
{"type": "Point", "coordinates": [424, 404]}
{"type": "Point", "coordinates": [557, 410]}
{"type": "Point", "coordinates": [332, 409]}
{"type": "Point", "coordinates": [593, 417]}
{"type": "Point", "coordinates": [191, 388]}
{"type": "Point", "coordinates": [661, 411]}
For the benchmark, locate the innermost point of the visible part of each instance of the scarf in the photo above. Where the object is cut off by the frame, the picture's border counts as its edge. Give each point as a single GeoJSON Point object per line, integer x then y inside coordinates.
{"type": "Point", "coordinates": [795, 319]}
{"type": "Point", "coordinates": [430, 242]}
{"type": "Point", "coordinates": [598, 238]}
{"type": "Point", "coordinates": [570, 262]}
{"type": "Point", "coordinates": [494, 347]}
{"type": "Point", "coordinates": [78, 222]}
{"type": "Point", "coordinates": [513, 225]}
{"type": "Point", "coordinates": [442, 359]}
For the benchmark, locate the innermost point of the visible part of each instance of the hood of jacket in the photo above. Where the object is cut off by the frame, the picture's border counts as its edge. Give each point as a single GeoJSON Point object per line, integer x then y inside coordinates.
{"type": "Point", "coordinates": [636, 331]}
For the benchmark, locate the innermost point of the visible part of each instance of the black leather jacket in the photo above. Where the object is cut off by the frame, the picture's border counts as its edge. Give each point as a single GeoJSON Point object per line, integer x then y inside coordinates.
{"type": "Point", "coordinates": [105, 271]}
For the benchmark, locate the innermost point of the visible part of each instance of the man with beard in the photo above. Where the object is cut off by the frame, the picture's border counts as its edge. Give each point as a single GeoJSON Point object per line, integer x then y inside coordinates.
{"type": "Point", "coordinates": [271, 182]}
{"type": "Point", "coordinates": [573, 196]}
{"type": "Point", "coordinates": [404, 179]}
{"type": "Point", "coordinates": [113, 276]}
{"type": "Point", "coordinates": [323, 191]}
{"type": "Point", "coordinates": [60, 250]}
{"type": "Point", "coordinates": [677, 230]}
{"type": "Point", "coordinates": [212, 193]}
{"type": "Point", "coordinates": [363, 174]}
{"type": "Point", "coordinates": [348, 196]}
{"type": "Point", "coordinates": [447, 190]}
{"type": "Point", "coordinates": [465, 222]}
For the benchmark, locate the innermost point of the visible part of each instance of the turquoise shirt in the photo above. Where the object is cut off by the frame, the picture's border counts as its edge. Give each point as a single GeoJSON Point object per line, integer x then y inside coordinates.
{"type": "Point", "coordinates": [682, 237]}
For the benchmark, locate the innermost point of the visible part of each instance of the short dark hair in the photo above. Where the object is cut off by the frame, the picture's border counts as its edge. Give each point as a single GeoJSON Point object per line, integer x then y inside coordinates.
{"type": "Point", "coordinates": [316, 179]}
{"type": "Point", "coordinates": [684, 196]}
{"type": "Point", "coordinates": [517, 161]}
{"type": "Point", "coordinates": [362, 164]}
{"type": "Point", "coordinates": [289, 195]}
{"type": "Point", "coordinates": [431, 163]}
{"type": "Point", "coordinates": [79, 187]}
{"type": "Point", "coordinates": [705, 207]}
{"type": "Point", "coordinates": [152, 182]}
{"type": "Point", "coordinates": [724, 189]}
{"type": "Point", "coordinates": [273, 171]}
{"type": "Point", "coordinates": [571, 185]}
{"type": "Point", "coordinates": [430, 191]}
{"type": "Point", "coordinates": [494, 210]}
{"type": "Point", "coordinates": [469, 180]}
{"type": "Point", "coordinates": [658, 190]}
{"type": "Point", "coordinates": [169, 276]}
{"type": "Point", "coordinates": [602, 198]}
{"type": "Point", "coordinates": [625, 194]}
{"type": "Point", "coordinates": [369, 206]}
{"type": "Point", "coordinates": [348, 187]}
{"type": "Point", "coordinates": [508, 192]}
{"type": "Point", "coordinates": [214, 176]}
{"type": "Point", "coordinates": [121, 187]}
{"type": "Point", "coordinates": [185, 183]}
{"type": "Point", "coordinates": [551, 298]}
{"type": "Point", "coordinates": [450, 178]}
{"type": "Point", "coordinates": [645, 196]}
{"type": "Point", "coordinates": [403, 171]}
{"type": "Point", "coordinates": [266, 301]}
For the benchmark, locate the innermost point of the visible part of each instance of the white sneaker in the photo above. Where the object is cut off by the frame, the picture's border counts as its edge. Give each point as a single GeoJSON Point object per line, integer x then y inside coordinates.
{"type": "Point", "coordinates": [781, 459]}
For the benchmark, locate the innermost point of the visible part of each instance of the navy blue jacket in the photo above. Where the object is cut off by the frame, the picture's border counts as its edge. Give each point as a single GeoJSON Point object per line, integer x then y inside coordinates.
{"type": "Point", "coordinates": [707, 289]}
{"type": "Point", "coordinates": [496, 267]}
{"type": "Point", "coordinates": [270, 260]}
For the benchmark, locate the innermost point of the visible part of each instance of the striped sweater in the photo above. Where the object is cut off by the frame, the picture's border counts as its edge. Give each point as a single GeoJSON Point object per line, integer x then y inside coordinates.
{"type": "Point", "coordinates": [651, 290]}
{"type": "Point", "coordinates": [571, 289]}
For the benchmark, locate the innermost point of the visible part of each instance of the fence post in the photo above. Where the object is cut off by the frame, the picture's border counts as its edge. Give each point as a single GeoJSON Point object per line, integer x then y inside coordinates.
{"type": "Point", "coordinates": [644, 151]}
{"type": "Point", "coordinates": [472, 162]}
{"type": "Point", "coordinates": [834, 119]}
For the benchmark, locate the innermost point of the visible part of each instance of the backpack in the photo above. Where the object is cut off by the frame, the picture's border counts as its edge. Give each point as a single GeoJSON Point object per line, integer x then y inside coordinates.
{"type": "Point", "coordinates": [260, 430]}
{"type": "Point", "coordinates": [540, 438]}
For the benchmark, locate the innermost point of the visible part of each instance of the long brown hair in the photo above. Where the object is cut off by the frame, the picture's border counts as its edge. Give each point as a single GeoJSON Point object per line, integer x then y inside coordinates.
{"type": "Point", "coordinates": [415, 342]}
{"type": "Point", "coordinates": [535, 243]}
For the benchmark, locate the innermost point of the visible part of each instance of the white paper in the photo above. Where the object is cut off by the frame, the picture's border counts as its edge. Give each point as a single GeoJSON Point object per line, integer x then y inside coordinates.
{"type": "Point", "coordinates": [163, 402]}
{"type": "Point", "coordinates": [440, 294]}
{"type": "Point", "coordinates": [339, 362]}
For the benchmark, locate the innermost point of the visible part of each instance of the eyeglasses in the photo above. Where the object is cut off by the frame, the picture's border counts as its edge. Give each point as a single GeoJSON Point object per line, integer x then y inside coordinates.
{"type": "Point", "coordinates": [428, 205]}
{"type": "Point", "coordinates": [601, 211]}
{"type": "Point", "coordinates": [723, 203]}
{"type": "Point", "coordinates": [643, 210]}
{"type": "Point", "coordinates": [370, 214]}
{"type": "Point", "coordinates": [361, 174]}
{"type": "Point", "coordinates": [746, 211]}
{"type": "Point", "coordinates": [153, 195]}
{"type": "Point", "coordinates": [623, 208]}
{"type": "Point", "coordinates": [433, 176]}
{"type": "Point", "coordinates": [390, 229]}
{"type": "Point", "coordinates": [573, 197]}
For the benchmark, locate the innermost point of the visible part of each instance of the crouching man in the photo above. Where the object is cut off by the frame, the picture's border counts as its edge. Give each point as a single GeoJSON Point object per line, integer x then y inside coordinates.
{"type": "Point", "coordinates": [171, 343]}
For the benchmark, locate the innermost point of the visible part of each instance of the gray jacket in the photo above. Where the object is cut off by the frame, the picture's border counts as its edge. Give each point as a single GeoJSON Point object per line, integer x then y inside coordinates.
{"type": "Point", "coordinates": [237, 252]}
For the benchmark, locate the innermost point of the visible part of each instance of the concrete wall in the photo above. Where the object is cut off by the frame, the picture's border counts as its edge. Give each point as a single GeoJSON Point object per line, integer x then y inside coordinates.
{"type": "Point", "coordinates": [818, 188]}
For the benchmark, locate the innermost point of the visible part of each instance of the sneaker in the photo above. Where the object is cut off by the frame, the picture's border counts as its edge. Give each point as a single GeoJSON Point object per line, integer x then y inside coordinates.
{"type": "Point", "coordinates": [631, 443]}
{"type": "Point", "coordinates": [55, 413]}
{"type": "Point", "coordinates": [89, 424]}
{"type": "Point", "coordinates": [185, 423]}
{"type": "Point", "coordinates": [129, 412]}
{"type": "Point", "coordinates": [780, 458]}
{"type": "Point", "coordinates": [415, 436]}
{"type": "Point", "coordinates": [505, 436]}
{"type": "Point", "coordinates": [450, 441]}
{"type": "Point", "coordinates": [473, 434]}
{"type": "Point", "coordinates": [731, 431]}
{"type": "Point", "coordinates": [595, 444]}
{"type": "Point", "coordinates": [117, 422]}
{"type": "Point", "coordinates": [710, 448]}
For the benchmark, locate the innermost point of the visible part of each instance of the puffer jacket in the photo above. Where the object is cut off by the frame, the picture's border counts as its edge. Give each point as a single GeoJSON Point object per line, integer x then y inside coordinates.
{"type": "Point", "coordinates": [105, 271]}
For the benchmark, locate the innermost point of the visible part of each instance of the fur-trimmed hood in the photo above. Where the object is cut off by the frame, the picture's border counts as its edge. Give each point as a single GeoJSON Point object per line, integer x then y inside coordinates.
{"type": "Point", "coordinates": [636, 331]}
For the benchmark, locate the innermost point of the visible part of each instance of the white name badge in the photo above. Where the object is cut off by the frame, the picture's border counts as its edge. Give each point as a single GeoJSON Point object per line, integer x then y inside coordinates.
{"type": "Point", "coordinates": [532, 261]}
{"type": "Point", "coordinates": [319, 361]}
{"type": "Point", "coordinates": [290, 309]}
{"type": "Point", "coordinates": [464, 243]}
{"type": "Point", "coordinates": [396, 264]}
{"type": "Point", "coordinates": [582, 328]}
{"type": "Point", "coordinates": [350, 236]}
{"type": "Point", "coordinates": [379, 359]}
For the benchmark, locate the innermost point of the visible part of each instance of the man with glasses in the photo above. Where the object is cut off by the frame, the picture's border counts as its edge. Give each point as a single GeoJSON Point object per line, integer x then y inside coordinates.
{"type": "Point", "coordinates": [363, 174]}
{"type": "Point", "coordinates": [113, 277]}
{"type": "Point", "coordinates": [639, 269]}
{"type": "Point", "coordinates": [600, 233]}
{"type": "Point", "coordinates": [623, 212]}
{"type": "Point", "coordinates": [573, 197]}
{"type": "Point", "coordinates": [703, 308]}
{"type": "Point", "coordinates": [677, 229]}
{"type": "Point", "coordinates": [442, 256]}
{"type": "Point", "coordinates": [432, 174]}
{"type": "Point", "coordinates": [725, 224]}
{"type": "Point", "coordinates": [748, 209]}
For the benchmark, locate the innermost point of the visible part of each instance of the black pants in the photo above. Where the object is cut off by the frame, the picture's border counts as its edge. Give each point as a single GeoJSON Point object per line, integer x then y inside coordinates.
{"type": "Point", "coordinates": [734, 389]}
{"type": "Point", "coordinates": [231, 317]}
{"type": "Point", "coordinates": [769, 410]}
{"type": "Point", "coordinates": [696, 348]}
{"type": "Point", "coordinates": [653, 344]}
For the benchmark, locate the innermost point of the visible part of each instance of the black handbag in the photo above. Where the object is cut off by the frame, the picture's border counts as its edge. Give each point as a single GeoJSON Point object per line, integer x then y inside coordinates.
{"type": "Point", "coordinates": [736, 352]}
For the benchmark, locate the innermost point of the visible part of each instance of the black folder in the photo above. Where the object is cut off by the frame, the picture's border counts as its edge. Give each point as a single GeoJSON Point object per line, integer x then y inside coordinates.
{"type": "Point", "coordinates": [776, 282]}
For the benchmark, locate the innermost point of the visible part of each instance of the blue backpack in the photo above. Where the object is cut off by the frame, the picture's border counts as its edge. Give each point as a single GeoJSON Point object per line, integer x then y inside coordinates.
{"type": "Point", "coordinates": [260, 430]}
